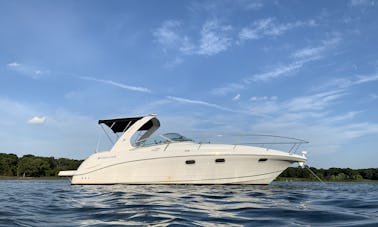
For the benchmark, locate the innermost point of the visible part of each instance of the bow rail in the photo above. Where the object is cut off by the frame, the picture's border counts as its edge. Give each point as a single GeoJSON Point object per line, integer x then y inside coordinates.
{"type": "Point", "coordinates": [258, 140]}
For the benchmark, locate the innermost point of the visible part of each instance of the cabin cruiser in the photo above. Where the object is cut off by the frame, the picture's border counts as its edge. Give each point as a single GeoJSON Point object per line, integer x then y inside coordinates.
{"type": "Point", "coordinates": [174, 159]}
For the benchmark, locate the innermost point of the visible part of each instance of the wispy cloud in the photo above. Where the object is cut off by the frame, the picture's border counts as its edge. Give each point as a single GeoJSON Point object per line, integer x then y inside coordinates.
{"type": "Point", "coordinates": [214, 38]}
{"type": "Point", "coordinates": [231, 87]}
{"type": "Point", "coordinates": [236, 97]}
{"type": "Point", "coordinates": [342, 117]}
{"type": "Point", "coordinates": [198, 102]}
{"type": "Point", "coordinates": [263, 98]}
{"type": "Point", "coordinates": [354, 3]}
{"type": "Point", "coordinates": [275, 72]}
{"type": "Point", "coordinates": [170, 36]}
{"type": "Point", "coordinates": [120, 85]}
{"type": "Point", "coordinates": [316, 52]}
{"type": "Point", "coordinates": [253, 5]}
{"type": "Point", "coordinates": [345, 82]}
{"type": "Point", "coordinates": [30, 71]}
{"type": "Point", "coordinates": [300, 58]}
{"type": "Point", "coordinates": [374, 96]}
{"type": "Point", "coordinates": [37, 121]}
{"type": "Point", "coordinates": [366, 79]}
{"type": "Point", "coordinates": [317, 101]}
{"type": "Point", "coordinates": [173, 63]}
{"type": "Point", "coordinates": [298, 108]}
{"type": "Point", "coordinates": [268, 27]}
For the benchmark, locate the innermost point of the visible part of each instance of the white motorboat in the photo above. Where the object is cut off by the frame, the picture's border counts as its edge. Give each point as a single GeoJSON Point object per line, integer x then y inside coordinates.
{"type": "Point", "coordinates": [174, 159]}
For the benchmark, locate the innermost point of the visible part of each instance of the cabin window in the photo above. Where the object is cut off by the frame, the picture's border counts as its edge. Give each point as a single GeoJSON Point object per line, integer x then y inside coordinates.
{"type": "Point", "coordinates": [263, 159]}
{"type": "Point", "coordinates": [189, 162]}
{"type": "Point", "coordinates": [219, 160]}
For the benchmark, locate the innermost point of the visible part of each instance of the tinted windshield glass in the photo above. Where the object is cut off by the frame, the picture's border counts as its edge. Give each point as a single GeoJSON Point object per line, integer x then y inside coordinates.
{"type": "Point", "coordinates": [161, 139]}
{"type": "Point", "coordinates": [176, 137]}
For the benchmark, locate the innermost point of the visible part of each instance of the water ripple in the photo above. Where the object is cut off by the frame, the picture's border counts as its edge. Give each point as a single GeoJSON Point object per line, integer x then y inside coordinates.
{"type": "Point", "coordinates": [57, 203]}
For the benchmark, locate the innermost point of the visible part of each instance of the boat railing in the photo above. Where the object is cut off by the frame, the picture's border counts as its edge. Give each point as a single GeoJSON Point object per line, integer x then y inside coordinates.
{"type": "Point", "coordinates": [288, 144]}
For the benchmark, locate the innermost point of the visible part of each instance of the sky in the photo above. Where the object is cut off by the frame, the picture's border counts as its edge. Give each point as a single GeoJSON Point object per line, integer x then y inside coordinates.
{"type": "Point", "coordinates": [303, 69]}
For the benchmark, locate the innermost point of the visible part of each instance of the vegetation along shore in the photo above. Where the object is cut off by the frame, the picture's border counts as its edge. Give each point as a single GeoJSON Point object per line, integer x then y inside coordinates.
{"type": "Point", "coordinates": [30, 166]}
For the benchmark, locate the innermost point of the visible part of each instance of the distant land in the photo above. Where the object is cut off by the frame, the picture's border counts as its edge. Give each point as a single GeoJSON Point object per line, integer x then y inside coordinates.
{"type": "Point", "coordinates": [30, 166]}
{"type": "Point", "coordinates": [34, 166]}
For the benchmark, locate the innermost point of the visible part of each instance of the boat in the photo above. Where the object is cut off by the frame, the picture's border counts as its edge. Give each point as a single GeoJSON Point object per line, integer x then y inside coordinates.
{"type": "Point", "coordinates": [171, 158]}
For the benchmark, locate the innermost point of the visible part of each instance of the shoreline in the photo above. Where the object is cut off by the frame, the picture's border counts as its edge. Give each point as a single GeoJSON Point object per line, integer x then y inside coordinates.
{"type": "Point", "coordinates": [282, 179]}
{"type": "Point", "coordinates": [293, 179]}
{"type": "Point", "coordinates": [32, 178]}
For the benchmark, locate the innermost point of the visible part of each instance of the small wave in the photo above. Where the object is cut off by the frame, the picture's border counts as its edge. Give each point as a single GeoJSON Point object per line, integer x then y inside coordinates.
{"type": "Point", "coordinates": [46, 203]}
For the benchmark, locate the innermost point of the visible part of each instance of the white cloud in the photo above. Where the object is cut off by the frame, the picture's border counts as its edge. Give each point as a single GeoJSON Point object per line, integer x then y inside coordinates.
{"type": "Point", "coordinates": [215, 38]}
{"type": "Point", "coordinates": [64, 134]}
{"type": "Point", "coordinates": [342, 117]}
{"type": "Point", "coordinates": [236, 98]}
{"type": "Point", "coordinates": [264, 108]}
{"type": "Point", "coordinates": [227, 89]}
{"type": "Point", "coordinates": [355, 130]}
{"type": "Point", "coordinates": [374, 96]}
{"type": "Point", "coordinates": [275, 72]}
{"type": "Point", "coordinates": [314, 102]}
{"type": "Point", "coordinates": [297, 108]}
{"type": "Point", "coordinates": [268, 27]}
{"type": "Point", "coordinates": [37, 120]}
{"type": "Point", "coordinates": [263, 98]}
{"type": "Point", "coordinates": [366, 79]}
{"type": "Point", "coordinates": [120, 85]}
{"type": "Point", "coordinates": [173, 63]}
{"type": "Point", "coordinates": [316, 52]}
{"type": "Point", "coordinates": [14, 65]}
{"type": "Point", "coordinates": [169, 36]}
{"type": "Point", "coordinates": [253, 5]}
{"type": "Point", "coordinates": [354, 3]}
{"type": "Point", "coordinates": [302, 57]}
{"type": "Point", "coordinates": [308, 52]}
{"type": "Point", "coordinates": [256, 30]}
{"type": "Point", "coordinates": [27, 70]}
{"type": "Point", "coordinates": [198, 102]}
{"type": "Point", "coordinates": [345, 83]}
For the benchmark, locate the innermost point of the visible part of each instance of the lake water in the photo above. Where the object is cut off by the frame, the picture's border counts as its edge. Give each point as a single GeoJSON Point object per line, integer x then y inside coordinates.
{"type": "Point", "coordinates": [57, 203]}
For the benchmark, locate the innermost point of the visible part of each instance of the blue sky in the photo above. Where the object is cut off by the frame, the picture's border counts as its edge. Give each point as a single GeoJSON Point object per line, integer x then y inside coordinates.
{"type": "Point", "coordinates": [306, 69]}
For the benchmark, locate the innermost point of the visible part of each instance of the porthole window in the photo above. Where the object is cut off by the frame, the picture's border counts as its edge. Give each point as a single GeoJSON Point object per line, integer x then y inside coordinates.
{"type": "Point", "coordinates": [189, 162]}
{"type": "Point", "coordinates": [219, 160]}
{"type": "Point", "coordinates": [263, 159]}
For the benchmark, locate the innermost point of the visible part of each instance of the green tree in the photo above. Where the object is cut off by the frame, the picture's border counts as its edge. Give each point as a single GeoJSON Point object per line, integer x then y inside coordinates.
{"type": "Point", "coordinates": [32, 166]}
{"type": "Point", "coordinates": [67, 164]}
{"type": "Point", "coordinates": [8, 164]}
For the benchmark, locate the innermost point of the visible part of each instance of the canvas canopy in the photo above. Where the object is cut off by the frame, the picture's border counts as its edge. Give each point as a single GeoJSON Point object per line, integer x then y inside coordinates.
{"type": "Point", "coordinates": [121, 124]}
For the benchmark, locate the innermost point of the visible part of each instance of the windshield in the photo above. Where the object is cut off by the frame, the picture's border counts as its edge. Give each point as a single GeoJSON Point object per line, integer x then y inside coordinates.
{"type": "Point", "coordinates": [162, 139]}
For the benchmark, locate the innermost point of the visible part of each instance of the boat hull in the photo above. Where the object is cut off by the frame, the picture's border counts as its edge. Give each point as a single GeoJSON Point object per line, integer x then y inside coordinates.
{"type": "Point", "coordinates": [210, 167]}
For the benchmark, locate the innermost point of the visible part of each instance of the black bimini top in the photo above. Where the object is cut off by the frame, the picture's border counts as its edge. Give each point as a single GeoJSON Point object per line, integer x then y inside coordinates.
{"type": "Point", "coordinates": [121, 124]}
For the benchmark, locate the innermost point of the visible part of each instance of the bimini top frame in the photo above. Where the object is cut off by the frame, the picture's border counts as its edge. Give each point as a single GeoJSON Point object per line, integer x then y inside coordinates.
{"type": "Point", "coordinates": [128, 127]}
{"type": "Point", "coordinates": [122, 124]}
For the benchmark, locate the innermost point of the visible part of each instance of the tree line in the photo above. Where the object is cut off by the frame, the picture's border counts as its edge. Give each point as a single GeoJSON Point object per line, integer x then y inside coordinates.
{"type": "Point", "coordinates": [331, 174]}
{"type": "Point", "coordinates": [34, 166]}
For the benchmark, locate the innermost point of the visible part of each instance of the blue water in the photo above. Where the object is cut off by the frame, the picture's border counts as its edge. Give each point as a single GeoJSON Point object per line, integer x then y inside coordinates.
{"type": "Point", "coordinates": [57, 203]}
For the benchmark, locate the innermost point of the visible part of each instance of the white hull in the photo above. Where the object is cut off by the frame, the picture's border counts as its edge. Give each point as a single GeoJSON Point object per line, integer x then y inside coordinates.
{"type": "Point", "coordinates": [173, 159]}
{"type": "Point", "coordinates": [170, 166]}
